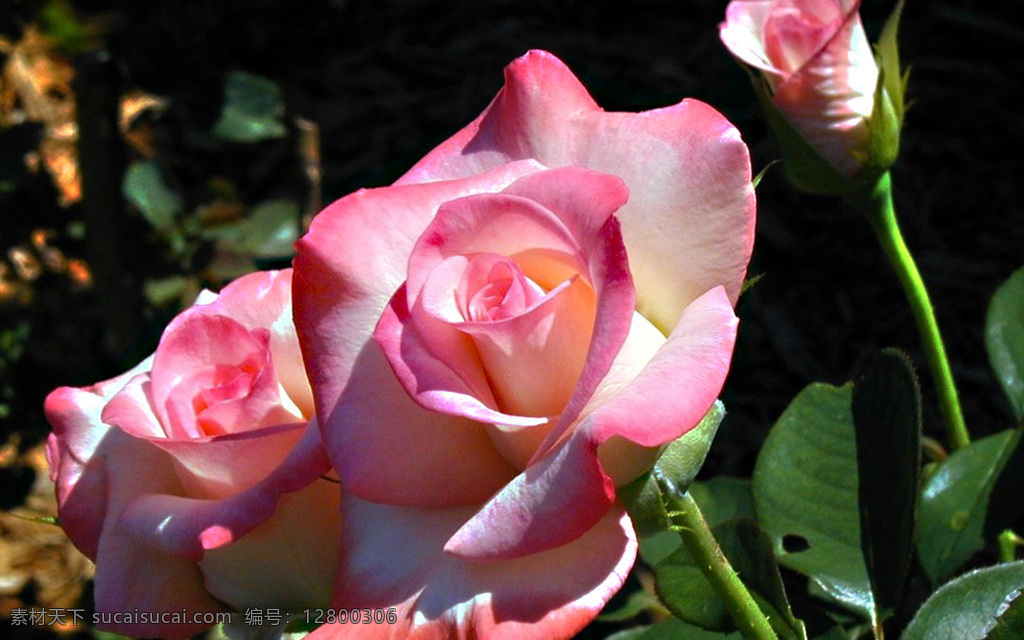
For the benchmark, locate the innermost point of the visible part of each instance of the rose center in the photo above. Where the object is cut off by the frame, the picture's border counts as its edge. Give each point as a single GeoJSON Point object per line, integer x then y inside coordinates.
{"type": "Point", "coordinates": [225, 383]}
{"type": "Point", "coordinates": [214, 377]}
{"type": "Point", "coordinates": [494, 288]}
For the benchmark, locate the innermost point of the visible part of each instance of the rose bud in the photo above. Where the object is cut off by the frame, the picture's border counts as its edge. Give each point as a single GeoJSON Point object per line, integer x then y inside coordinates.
{"type": "Point", "coordinates": [835, 110]}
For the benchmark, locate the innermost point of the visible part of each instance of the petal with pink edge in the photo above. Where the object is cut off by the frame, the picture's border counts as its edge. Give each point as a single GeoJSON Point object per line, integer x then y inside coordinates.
{"type": "Point", "coordinates": [78, 432]}
{"type": "Point", "coordinates": [129, 575]}
{"type": "Point", "coordinates": [264, 300]}
{"type": "Point", "coordinates": [552, 502]}
{"type": "Point", "coordinates": [393, 558]}
{"type": "Point", "coordinates": [455, 385]}
{"type": "Point", "coordinates": [297, 547]}
{"type": "Point", "coordinates": [831, 96]}
{"type": "Point", "coordinates": [211, 375]}
{"type": "Point", "coordinates": [347, 268]}
{"type": "Point", "coordinates": [188, 527]}
{"type": "Point", "coordinates": [693, 364]}
{"type": "Point", "coordinates": [689, 223]}
{"type": "Point", "coordinates": [742, 31]}
{"type": "Point", "coordinates": [566, 491]}
{"type": "Point", "coordinates": [390, 463]}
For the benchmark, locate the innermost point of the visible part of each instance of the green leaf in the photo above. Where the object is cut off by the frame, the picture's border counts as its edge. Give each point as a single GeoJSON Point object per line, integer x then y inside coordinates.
{"type": "Point", "coordinates": [672, 630]}
{"type": "Point", "coordinates": [805, 494]}
{"type": "Point", "coordinates": [887, 417]}
{"type": "Point", "coordinates": [144, 187]}
{"type": "Point", "coordinates": [750, 283]}
{"type": "Point", "coordinates": [1004, 337]}
{"type": "Point", "coordinates": [835, 633]}
{"type": "Point", "coordinates": [270, 230]}
{"type": "Point", "coordinates": [60, 23]}
{"type": "Point", "coordinates": [1006, 502]}
{"type": "Point", "coordinates": [680, 462]}
{"type": "Point", "coordinates": [655, 547]}
{"type": "Point", "coordinates": [967, 607]}
{"type": "Point", "coordinates": [1010, 623]}
{"type": "Point", "coordinates": [162, 291]}
{"type": "Point", "coordinates": [682, 587]}
{"type": "Point", "coordinates": [749, 551]}
{"type": "Point", "coordinates": [954, 502]}
{"type": "Point", "coordinates": [636, 603]}
{"type": "Point", "coordinates": [721, 499]}
{"type": "Point", "coordinates": [251, 111]}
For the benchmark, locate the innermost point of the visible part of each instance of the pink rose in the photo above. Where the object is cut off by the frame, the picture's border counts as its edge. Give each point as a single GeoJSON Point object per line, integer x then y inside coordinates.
{"type": "Point", "coordinates": [818, 65]}
{"type": "Point", "coordinates": [506, 335]}
{"type": "Point", "coordinates": [193, 480]}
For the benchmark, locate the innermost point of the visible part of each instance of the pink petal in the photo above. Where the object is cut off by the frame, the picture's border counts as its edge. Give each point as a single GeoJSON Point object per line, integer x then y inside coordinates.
{"type": "Point", "coordinates": [672, 393]}
{"type": "Point", "coordinates": [453, 385]}
{"type": "Point", "coordinates": [201, 346]}
{"type": "Point", "coordinates": [393, 558]}
{"type": "Point", "coordinates": [187, 527]}
{"type": "Point", "coordinates": [510, 224]}
{"type": "Point", "coordinates": [830, 98]}
{"type": "Point", "coordinates": [535, 358]}
{"type": "Point", "coordinates": [425, 353]}
{"type": "Point", "coordinates": [399, 443]}
{"type": "Point", "coordinates": [130, 575]}
{"type": "Point", "coordinates": [132, 410]}
{"type": "Point", "coordinates": [264, 300]}
{"type": "Point", "coordinates": [553, 502]}
{"type": "Point", "coordinates": [794, 33]}
{"type": "Point", "coordinates": [566, 491]}
{"type": "Point", "coordinates": [297, 547]}
{"type": "Point", "coordinates": [347, 268]}
{"type": "Point", "coordinates": [689, 223]}
{"type": "Point", "coordinates": [742, 33]}
{"type": "Point", "coordinates": [610, 274]}
{"type": "Point", "coordinates": [78, 432]}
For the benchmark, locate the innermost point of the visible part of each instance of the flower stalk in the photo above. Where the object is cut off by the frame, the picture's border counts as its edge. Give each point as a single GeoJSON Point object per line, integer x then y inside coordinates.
{"type": "Point", "coordinates": [877, 206]}
{"type": "Point", "coordinates": [687, 520]}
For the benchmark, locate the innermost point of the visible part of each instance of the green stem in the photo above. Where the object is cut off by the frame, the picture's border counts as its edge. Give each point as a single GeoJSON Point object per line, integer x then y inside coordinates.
{"type": "Point", "coordinates": [701, 544]}
{"type": "Point", "coordinates": [877, 206]}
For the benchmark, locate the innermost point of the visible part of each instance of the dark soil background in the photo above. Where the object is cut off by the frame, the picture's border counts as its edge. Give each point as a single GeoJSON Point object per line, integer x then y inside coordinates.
{"type": "Point", "coordinates": [386, 81]}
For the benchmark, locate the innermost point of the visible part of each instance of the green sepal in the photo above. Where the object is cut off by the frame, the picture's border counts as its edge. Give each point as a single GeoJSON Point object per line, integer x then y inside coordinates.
{"type": "Point", "coordinates": [887, 55]}
{"type": "Point", "coordinates": [886, 119]}
{"type": "Point", "coordinates": [805, 168]}
{"type": "Point", "coordinates": [883, 132]}
{"type": "Point", "coordinates": [680, 462]}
